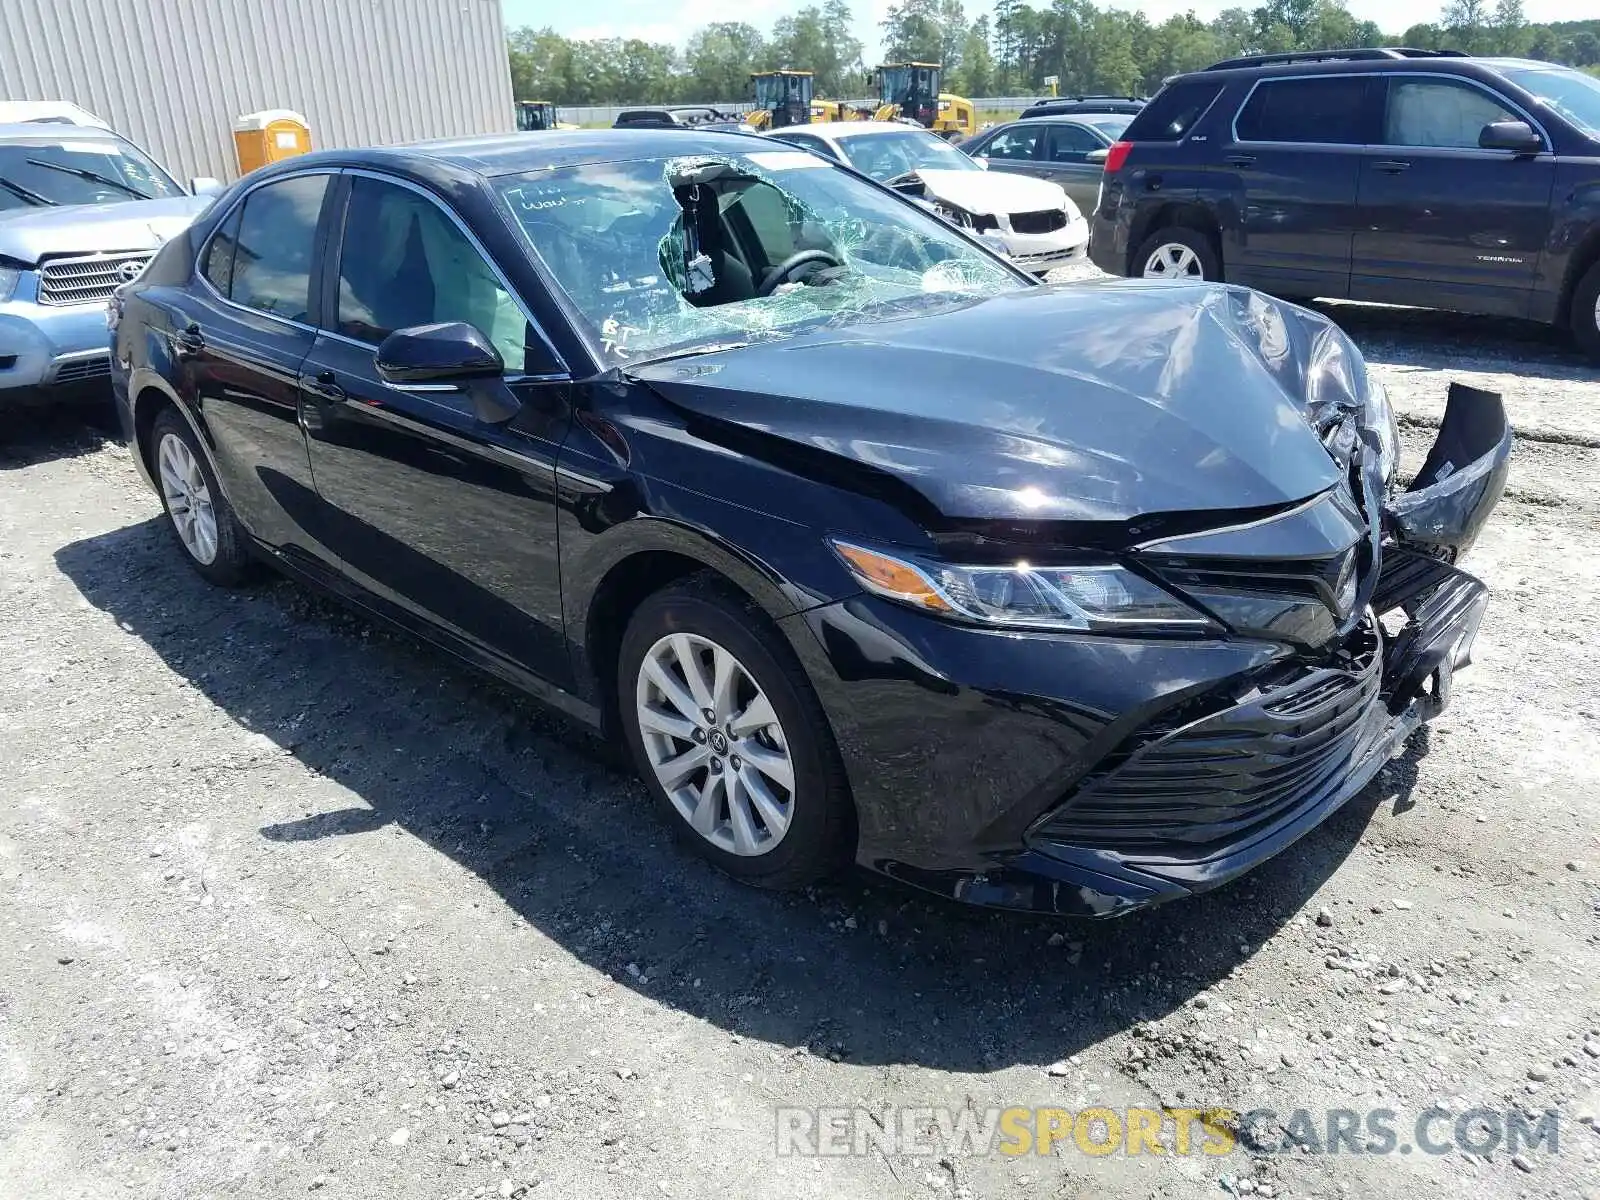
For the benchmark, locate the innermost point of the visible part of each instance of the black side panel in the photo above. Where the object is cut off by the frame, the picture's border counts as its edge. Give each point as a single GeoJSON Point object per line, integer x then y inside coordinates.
{"type": "Point", "coordinates": [1462, 479]}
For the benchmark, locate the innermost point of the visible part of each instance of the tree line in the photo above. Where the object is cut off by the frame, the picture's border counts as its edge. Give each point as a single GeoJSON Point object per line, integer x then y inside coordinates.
{"type": "Point", "coordinates": [1008, 50]}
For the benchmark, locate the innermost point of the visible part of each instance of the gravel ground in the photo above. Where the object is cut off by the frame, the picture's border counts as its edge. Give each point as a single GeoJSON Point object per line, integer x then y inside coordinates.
{"type": "Point", "coordinates": [290, 905]}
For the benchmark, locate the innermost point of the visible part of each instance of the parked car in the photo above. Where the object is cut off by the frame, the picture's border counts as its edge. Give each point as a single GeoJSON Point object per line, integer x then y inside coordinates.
{"type": "Point", "coordinates": [1402, 176]}
{"type": "Point", "coordinates": [81, 210]}
{"type": "Point", "coordinates": [48, 112]}
{"type": "Point", "coordinates": [1060, 106]}
{"type": "Point", "coordinates": [1032, 222]}
{"type": "Point", "coordinates": [1069, 151]}
{"type": "Point", "coordinates": [672, 117]}
{"type": "Point", "coordinates": [1059, 598]}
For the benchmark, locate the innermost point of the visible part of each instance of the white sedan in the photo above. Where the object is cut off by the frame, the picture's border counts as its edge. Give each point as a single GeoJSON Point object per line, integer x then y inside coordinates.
{"type": "Point", "coordinates": [1032, 221]}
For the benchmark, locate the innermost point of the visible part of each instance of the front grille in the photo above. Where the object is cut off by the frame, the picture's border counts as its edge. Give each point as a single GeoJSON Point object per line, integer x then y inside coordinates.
{"type": "Point", "coordinates": [79, 370]}
{"type": "Point", "coordinates": [89, 279]}
{"type": "Point", "coordinates": [1214, 781]}
{"type": "Point", "coordinates": [1048, 221]}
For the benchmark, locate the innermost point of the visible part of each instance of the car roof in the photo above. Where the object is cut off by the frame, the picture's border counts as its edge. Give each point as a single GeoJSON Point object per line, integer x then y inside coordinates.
{"type": "Point", "coordinates": [834, 131]}
{"type": "Point", "coordinates": [508, 153]}
{"type": "Point", "coordinates": [1361, 61]}
{"type": "Point", "coordinates": [55, 131]}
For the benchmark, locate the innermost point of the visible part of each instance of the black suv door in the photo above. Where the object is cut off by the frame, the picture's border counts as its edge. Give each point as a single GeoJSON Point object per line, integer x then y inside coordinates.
{"type": "Point", "coordinates": [1443, 223]}
{"type": "Point", "coordinates": [445, 515]}
{"type": "Point", "coordinates": [1294, 161]}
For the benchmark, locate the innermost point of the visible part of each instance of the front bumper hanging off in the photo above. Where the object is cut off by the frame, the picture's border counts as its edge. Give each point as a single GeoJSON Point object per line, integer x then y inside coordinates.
{"type": "Point", "coordinates": [1187, 804]}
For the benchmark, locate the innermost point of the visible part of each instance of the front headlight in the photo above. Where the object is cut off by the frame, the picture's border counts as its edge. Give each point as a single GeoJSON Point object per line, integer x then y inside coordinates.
{"type": "Point", "coordinates": [1021, 595]}
{"type": "Point", "coordinates": [1379, 417]}
{"type": "Point", "coordinates": [8, 282]}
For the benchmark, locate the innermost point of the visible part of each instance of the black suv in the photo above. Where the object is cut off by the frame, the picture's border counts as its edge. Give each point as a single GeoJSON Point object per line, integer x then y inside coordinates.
{"type": "Point", "coordinates": [1402, 176]}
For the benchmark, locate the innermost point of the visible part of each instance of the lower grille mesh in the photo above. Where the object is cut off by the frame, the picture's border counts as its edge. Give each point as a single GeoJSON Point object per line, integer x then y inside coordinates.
{"type": "Point", "coordinates": [1216, 779]}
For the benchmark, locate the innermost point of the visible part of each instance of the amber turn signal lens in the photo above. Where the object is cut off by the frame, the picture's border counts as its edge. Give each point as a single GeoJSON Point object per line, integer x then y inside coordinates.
{"type": "Point", "coordinates": [892, 577]}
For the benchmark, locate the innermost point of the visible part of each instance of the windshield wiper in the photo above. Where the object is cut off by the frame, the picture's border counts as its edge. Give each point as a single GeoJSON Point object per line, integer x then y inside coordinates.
{"type": "Point", "coordinates": [94, 176]}
{"type": "Point", "coordinates": [22, 193]}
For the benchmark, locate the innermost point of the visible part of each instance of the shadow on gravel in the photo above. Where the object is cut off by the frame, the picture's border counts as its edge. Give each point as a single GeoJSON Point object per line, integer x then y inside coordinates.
{"type": "Point", "coordinates": [1433, 340]}
{"type": "Point", "coordinates": [66, 430]}
{"type": "Point", "coordinates": [859, 969]}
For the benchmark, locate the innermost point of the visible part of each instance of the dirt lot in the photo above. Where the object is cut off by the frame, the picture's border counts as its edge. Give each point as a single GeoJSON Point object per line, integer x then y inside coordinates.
{"type": "Point", "coordinates": [288, 905]}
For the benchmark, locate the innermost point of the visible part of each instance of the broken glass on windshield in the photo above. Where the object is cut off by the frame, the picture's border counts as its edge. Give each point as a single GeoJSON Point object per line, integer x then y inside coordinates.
{"type": "Point", "coordinates": [669, 254]}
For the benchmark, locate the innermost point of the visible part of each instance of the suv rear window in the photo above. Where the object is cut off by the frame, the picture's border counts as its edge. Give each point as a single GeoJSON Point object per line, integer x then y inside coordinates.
{"type": "Point", "coordinates": [1174, 111]}
{"type": "Point", "coordinates": [1305, 110]}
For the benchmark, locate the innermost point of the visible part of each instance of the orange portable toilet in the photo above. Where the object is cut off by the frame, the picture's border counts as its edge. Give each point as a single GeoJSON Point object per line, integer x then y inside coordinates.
{"type": "Point", "coordinates": [266, 137]}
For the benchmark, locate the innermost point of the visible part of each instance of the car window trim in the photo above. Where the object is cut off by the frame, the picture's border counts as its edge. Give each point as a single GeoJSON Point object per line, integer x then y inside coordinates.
{"type": "Point", "coordinates": [334, 253]}
{"type": "Point", "coordinates": [1384, 77]}
{"type": "Point", "coordinates": [312, 297]}
{"type": "Point", "coordinates": [1502, 100]}
{"type": "Point", "coordinates": [1048, 145]}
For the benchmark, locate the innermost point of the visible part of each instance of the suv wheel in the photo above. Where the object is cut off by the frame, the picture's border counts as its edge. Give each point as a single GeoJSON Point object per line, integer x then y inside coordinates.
{"type": "Point", "coordinates": [730, 739]}
{"type": "Point", "coordinates": [199, 514]}
{"type": "Point", "coordinates": [1586, 313]}
{"type": "Point", "coordinates": [1178, 253]}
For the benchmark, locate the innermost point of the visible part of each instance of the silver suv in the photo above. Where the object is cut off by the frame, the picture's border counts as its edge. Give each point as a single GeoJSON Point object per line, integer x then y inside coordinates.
{"type": "Point", "coordinates": [82, 211]}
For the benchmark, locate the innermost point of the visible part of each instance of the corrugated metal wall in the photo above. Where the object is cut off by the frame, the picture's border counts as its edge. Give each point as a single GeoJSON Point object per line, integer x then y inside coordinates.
{"type": "Point", "coordinates": [173, 74]}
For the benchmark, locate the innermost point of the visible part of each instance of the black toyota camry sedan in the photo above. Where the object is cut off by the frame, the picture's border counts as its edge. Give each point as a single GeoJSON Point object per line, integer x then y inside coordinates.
{"type": "Point", "coordinates": [1074, 599]}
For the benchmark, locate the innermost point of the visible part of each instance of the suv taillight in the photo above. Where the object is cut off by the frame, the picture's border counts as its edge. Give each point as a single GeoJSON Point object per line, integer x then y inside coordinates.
{"type": "Point", "coordinates": [1116, 156]}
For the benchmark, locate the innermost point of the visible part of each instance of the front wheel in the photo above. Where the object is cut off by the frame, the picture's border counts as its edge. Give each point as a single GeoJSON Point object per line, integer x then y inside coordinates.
{"type": "Point", "coordinates": [730, 739]}
{"type": "Point", "coordinates": [1586, 313]}
{"type": "Point", "coordinates": [1180, 254]}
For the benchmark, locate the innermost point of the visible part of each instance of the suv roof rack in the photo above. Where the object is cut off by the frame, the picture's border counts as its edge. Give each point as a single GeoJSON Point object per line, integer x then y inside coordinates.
{"type": "Point", "coordinates": [1359, 54]}
{"type": "Point", "coordinates": [1079, 99]}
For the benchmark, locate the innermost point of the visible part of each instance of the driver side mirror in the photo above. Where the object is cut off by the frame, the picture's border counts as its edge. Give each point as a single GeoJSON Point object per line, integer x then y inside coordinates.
{"type": "Point", "coordinates": [1097, 157]}
{"type": "Point", "coordinates": [1516, 136]}
{"type": "Point", "coordinates": [204, 185]}
{"type": "Point", "coordinates": [448, 357]}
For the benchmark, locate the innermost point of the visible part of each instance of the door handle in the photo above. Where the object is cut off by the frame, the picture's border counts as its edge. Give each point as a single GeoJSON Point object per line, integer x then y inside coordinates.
{"type": "Point", "coordinates": [322, 385]}
{"type": "Point", "coordinates": [1241, 160]}
{"type": "Point", "coordinates": [1391, 166]}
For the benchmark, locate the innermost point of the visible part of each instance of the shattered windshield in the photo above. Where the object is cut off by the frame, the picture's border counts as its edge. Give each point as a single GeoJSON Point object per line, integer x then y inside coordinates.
{"type": "Point", "coordinates": [886, 156]}
{"type": "Point", "coordinates": [677, 255]}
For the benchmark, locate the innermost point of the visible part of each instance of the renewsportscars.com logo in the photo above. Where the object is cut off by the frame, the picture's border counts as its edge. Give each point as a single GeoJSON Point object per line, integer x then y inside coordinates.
{"type": "Point", "coordinates": [1017, 1131]}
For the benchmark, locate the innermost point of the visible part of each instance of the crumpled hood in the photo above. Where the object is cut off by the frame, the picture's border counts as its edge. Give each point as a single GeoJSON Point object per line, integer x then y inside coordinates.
{"type": "Point", "coordinates": [1088, 402]}
{"type": "Point", "coordinates": [29, 234]}
{"type": "Point", "coordinates": [989, 193]}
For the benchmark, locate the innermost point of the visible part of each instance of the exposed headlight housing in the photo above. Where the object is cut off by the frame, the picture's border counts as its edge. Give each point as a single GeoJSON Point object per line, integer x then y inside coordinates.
{"type": "Point", "coordinates": [1021, 595]}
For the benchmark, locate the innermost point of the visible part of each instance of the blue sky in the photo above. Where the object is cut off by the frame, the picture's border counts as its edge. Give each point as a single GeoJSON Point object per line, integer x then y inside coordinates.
{"type": "Point", "coordinates": [657, 20]}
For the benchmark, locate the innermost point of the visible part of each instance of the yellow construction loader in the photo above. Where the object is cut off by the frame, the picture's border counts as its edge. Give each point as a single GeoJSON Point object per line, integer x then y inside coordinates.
{"type": "Point", "coordinates": [910, 91]}
{"type": "Point", "coordinates": [783, 98]}
{"type": "Point", "coordinates": [539, 114]}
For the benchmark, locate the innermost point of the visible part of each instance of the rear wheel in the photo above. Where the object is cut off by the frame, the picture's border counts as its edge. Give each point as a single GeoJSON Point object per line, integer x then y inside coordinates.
{"type": "Point", "coordinates": [1178, 253]}
{"type": "Point", "coordinates": [729, 737]}
{"type": "Point", "coordinates": [197, 512]}
{"type": "Point", "coordinates": [1586, 313]}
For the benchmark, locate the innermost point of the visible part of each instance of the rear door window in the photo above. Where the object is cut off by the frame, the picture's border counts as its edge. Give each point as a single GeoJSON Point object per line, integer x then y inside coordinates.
{"type": "Point", "coordinates": [1174, 111]}
{"type": "Point", "coordinates": [1327, 110]}
{"type": "Point", "coordinates": [277, 237]}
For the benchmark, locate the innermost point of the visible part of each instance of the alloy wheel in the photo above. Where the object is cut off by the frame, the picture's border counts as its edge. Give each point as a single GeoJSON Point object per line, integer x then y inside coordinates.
{"type": "Point", "coordinates": [715, 744]}
{"type": "Point", "coordinates": [1173, 260]}
{"type": "Point", "coordinates": [183, 486]}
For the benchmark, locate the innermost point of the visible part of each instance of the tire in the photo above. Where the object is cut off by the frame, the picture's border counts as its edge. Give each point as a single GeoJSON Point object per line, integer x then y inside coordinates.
{"type": "Point", "coordinates": [790, 841]}
{"type": "Point", "coordinates": [1585, 318]}
{"type": "Point", "coordinates": [1191, 246]}
{"type": "Point", "coordinates": [223, 557]}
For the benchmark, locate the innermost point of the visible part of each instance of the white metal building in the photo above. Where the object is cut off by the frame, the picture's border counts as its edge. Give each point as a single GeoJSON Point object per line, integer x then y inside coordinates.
{"type": "Point", "coordinates": [174, 74]}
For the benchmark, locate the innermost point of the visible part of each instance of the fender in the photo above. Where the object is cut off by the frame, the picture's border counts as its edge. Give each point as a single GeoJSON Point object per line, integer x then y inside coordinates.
{"type": "Point", "coordinates": [145, 386]}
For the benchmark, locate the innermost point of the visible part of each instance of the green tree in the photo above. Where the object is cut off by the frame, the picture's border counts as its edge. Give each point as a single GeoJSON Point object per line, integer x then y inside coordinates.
{"type": "Point", "coordinates": [978, 76]}
{"type": "Point", "coordinates": [1465, 24]}
{"type": "Point", "coordinates": [720, 58]}
{"type": "Point", "coordinates": [912, 31]}
{"type": "Point", "coordinates": [1510, 26]}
